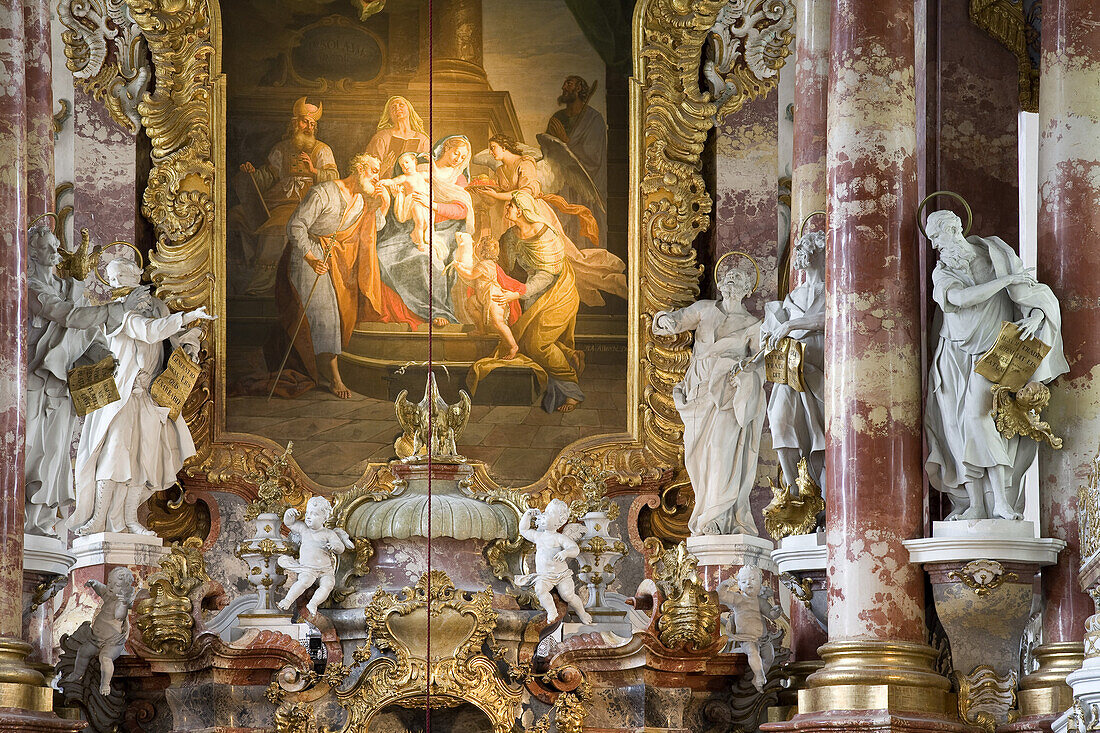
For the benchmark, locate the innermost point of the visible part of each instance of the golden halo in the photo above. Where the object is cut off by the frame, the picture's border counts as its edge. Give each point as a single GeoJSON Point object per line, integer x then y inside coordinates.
{"type": "Point", "coordinates": [43, 216]}
{"type": "Point", "coordinates": [137, 256]}
{"type": "Point", "coordinates": [747, 256]}
{"type": "Point", "coordinates": [811, 215]}
{"type": "Point", "coordinates": [952, 194]}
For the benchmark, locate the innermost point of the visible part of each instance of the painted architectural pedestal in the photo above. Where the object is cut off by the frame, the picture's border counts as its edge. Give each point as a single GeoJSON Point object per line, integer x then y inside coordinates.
{"type": "Point", "coordinates": [721, 556]}
{"type": "Point", "coordinates": [96, 556]}
{"type": "Point", "coordinates": [982, 573]}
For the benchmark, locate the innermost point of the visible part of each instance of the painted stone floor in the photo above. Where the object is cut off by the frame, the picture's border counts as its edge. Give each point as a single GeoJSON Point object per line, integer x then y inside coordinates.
{"type": "Point", "coordinates": [334, 439]}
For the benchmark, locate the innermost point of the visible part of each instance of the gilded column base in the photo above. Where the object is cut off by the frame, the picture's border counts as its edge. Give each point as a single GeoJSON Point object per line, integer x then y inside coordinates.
{"type": "Point", "coordinates": [877, 675]}
{"type": "Point", "coordinates": [21, 686]}
{"type": "Point", "coordinates": [1044, 692]}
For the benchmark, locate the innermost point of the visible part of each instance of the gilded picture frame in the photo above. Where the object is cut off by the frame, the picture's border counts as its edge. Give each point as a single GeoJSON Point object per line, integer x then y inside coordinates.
{"type": "Point", "coordinates": [670, 117]}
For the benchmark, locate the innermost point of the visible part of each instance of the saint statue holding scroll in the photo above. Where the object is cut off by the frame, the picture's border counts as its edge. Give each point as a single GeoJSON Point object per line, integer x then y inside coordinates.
{"type": "Point", "coordinates": [986, 297]}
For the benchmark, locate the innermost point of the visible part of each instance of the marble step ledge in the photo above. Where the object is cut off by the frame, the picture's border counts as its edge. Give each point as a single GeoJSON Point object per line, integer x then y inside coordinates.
{"type": "Point", "coordinates": [46, 555]}
{"type": "Point", "coordinates": [1002, 540]}
{"type": "Point", "coordinates": [118, 548]}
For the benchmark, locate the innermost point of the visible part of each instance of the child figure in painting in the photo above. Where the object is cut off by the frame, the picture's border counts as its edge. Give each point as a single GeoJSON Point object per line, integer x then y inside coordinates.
{"type": "Point", "coordinates": [486, 300]}
{"type": "Point", "coordinates": [316, 561]}
{"type": "Point", "coordinates": [553, 549]}
{"type": "Point", "coordinates": [405, 207]}
{"type": "Point", "coordinates": [747, 626]}
{"type": "Point", "coordinates": [109, 627]}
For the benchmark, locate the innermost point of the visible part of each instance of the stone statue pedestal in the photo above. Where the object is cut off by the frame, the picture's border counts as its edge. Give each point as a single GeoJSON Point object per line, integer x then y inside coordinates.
{"type": "Point", "coordinates": [46, 564]}
{"type": "Point", "coordinates": [722, 555]}
{"type": "Point", "coordinates": [982, 573]}
{"type": "Point", "coordinates": [96, 556]}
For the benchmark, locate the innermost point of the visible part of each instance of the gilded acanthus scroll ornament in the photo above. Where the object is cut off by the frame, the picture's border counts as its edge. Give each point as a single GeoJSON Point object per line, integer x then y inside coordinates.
{"type": "Point", "coordinates": [1088, 512]}
{"type": "Point", "coordinates": [983, 576]}
{"type": "Point", "coordinates": [689, 614]}
{"type": "Point", "coordinates": [107, 55]}
{"type": "Point", "coordinates": [745, 49]}
{"type": "Point", "coordinates": [165, 618]}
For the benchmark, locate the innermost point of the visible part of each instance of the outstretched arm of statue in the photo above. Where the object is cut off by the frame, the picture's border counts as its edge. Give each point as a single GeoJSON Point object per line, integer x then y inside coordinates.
{"type": "Point", "coordinates": [966, 297]}
{"type": "Point", "coordinates": [669, 323]}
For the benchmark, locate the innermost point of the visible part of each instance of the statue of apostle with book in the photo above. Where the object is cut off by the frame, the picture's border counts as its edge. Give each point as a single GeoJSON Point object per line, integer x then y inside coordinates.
{"type": "Point", "coordinates": [1000, 343]}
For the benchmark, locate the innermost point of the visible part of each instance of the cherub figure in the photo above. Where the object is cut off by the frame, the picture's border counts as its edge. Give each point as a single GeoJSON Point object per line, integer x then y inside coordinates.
{"type": "Point", "coordinates": [488, 300]}
{"type": "Point", "coordinates": [404, 187]}
{"type": "Point", "coordinates": [316, 561]}
{"type": "Point", "coordinates": [747, 629]}
{"type": "Point", "coordinates": [553, 549]}
{"type": "Point", "coordinates": [109, 627]}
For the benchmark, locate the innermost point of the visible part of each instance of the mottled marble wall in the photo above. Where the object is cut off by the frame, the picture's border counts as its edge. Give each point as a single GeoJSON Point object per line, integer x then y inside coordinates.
{"type": "Point", "coordinates": [973, 105]}
{"type": "Point", "coordinates": [746, 216]}
{"type": "Point", "coordinates": [105, 174]}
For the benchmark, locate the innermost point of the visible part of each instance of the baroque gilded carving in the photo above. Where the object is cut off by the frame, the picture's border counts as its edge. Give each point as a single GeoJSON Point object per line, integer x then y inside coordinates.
{"type": "Point", "coordinates": [165, 618]}
{"type": "Point", "coordinates": [107, 55]}
{"type": "Point", "coordinates": [671, 117]}
{"type": "Point", "coordinates": [987, 699]}
{"type": "Point", "coordinates": [688, 614]}
{"type": "Point", "coordinates": [1088, 514]}
{"type": "Point", "coordinates": [459, 670]}
{"type": "Point", "coordinates": [983, 576]}
{"type": "Point", "coordinates": [1007, 22]}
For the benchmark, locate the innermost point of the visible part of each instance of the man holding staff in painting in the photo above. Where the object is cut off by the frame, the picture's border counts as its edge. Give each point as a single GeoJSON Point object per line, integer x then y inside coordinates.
{"type": "Point", "coordinates": [295, 163]}
{"type": "Point", "coordinates": [328, 277]}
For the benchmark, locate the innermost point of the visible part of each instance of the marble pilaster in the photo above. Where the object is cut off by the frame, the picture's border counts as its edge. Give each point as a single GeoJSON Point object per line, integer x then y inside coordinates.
{"type": "Point", "coordinates": [1068, 259]}
{"type": "Point", "coordinates": [811, 96]}
{"type": "Point", "coordinates": [38, 73]}
{"type": "Point", "coordinates": [105, 171]}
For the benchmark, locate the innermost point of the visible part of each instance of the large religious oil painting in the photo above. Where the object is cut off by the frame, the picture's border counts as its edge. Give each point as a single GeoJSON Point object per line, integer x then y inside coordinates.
{"type": "Point", "coordinates": [395, 197]}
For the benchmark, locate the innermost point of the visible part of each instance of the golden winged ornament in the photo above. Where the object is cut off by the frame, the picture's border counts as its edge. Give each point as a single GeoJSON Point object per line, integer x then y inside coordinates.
{"type": "Point", "coordinates": [793, 513]}
{"type": "Point", "coordinates": [431, 424]}
{"type": "Point", "coordinates": [1018, 414]}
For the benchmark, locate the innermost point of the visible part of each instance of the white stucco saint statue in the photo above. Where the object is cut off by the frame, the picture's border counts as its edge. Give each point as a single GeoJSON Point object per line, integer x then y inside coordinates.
{"type": "Point", "coordinates": [131, 448]}
{"type": "Point", "coordinates": [751, 608]}
{"type": "Point", "coordinates": [978, 283]}
{"type": "Point", "coordinates": [316, 561]}
{"type": "Point", "coordinates": [59, 333]}
{"type": "Point", "coordinates": [721, 402]}
{"type": "Point", "coordinates": [553, 551]}
{"type": "Point", "coordinates": [796, 419]}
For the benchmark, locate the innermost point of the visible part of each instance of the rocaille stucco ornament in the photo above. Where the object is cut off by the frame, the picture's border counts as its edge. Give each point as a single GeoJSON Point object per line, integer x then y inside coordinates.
{"type": "Point", "coordinates": [746, 48]}
{"type": "Point", "coordinates": [1000, 329]}
{"type": "Point", "coordinates": [107, 55]}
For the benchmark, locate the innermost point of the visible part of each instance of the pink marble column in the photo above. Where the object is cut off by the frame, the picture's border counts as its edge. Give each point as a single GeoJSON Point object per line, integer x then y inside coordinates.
{"type": "Point", "coordinates": [13, 314]}
{"type": "Point", "coordinates": [876, 658]}
{"type": "Point", "coordinates": [811, 97]}
{"type": "Point", "coordinates": [39, 84]}
{"type": "Point", "coordinates": [1069, 260]}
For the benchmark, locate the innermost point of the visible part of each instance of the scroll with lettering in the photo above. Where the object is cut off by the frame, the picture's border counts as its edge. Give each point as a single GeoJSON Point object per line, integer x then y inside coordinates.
{"type": "Point", "coordinates": [1011, 361]}
{"type": "Point", "coordinates": [783, 365]}
{"type": "Point", "coordinates": [175, 383]}
{"type": "Point", "coordinates": [93, 386]}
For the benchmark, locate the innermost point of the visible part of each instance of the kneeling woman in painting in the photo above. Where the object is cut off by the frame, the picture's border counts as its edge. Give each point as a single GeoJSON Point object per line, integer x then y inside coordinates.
{"type": "Point", "coordinates": [545, 330]}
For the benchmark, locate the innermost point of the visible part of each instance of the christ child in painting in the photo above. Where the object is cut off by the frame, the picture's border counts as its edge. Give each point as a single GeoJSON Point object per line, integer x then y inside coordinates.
{"type": "Point", "coordinates": [487, 299]}
{"type": "Point", "coordinates": [410, 182]}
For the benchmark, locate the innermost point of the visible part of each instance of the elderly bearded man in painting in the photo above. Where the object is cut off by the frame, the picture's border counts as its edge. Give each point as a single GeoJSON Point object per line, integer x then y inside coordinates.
{"type": "Point", "coordinates": [296, 163]}
{"type": "Point", "coordinates": [330, 272]}
{"type": "Point", "coordinates": [978, 283]}
{"type": "Point", "coordinates": [721, 402]}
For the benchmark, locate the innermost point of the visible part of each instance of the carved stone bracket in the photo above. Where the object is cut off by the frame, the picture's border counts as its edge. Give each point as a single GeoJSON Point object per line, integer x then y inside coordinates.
{"type": "Point", "coordinates": [986, 699]}
{"type": "Point", "coordinates": [982, 576]}
{"type": "Point", "coordinates": [107, 55]}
